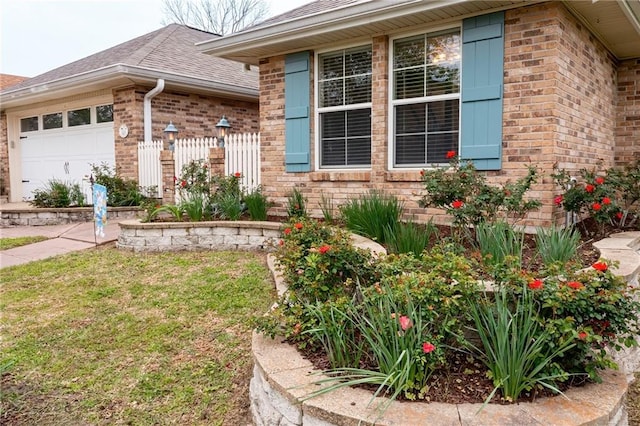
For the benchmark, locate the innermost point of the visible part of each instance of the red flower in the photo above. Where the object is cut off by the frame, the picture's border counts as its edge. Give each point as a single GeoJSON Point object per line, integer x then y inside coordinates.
{"type": "Point", "coordinates": [582, 335]}
{"type": "Point", "coordinates": [298, 226]}
{"type": "Point", "coordinates": [405, 322]}
{"type": "Point", "coordinates": [606, 201]}
{"type": "Point", "coordinates": [183, 183]}
{"type": "Point", "coordinates": [575, 285]}
{"type": "Point", "coordinates": [282, 241]}
{"type": "Point", "coordinates": [421, 172]}
{"type": "Point", "coordinates": [451, 154]}
{"type": "Point", "coordinates": [599, 180]}
{"type": "Point", "coordinates": [589, 188]}
{"type": "Point", "coordinates": [325, 248]}
{"type": "Point", "coordinates": [237, 174]}
{"type": "Point", "coordinates": [536, 284]}
{"type": "Point", "coordinates": [619, 215]}
{"type": "Point", "coordinates": [558, 200]}
{"type": "Point", "coordinates": [596, 206]}
{"type": "Point", "coordinates": [600, 266]}
{"type": "Point", "coordinates": [457, 204]}
{"type": "Point", "coordinates": [428, 347]}
{"type": "Point", "coordinates": [287, 231]}
{"type": "Point", "coordinates": [175, 179]}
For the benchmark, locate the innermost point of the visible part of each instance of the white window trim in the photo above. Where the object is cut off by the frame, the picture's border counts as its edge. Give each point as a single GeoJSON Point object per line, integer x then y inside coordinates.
{"type": "Point", "coordinates": [317, 110]}
{"type": "Point", "coordinates": [392, 103]}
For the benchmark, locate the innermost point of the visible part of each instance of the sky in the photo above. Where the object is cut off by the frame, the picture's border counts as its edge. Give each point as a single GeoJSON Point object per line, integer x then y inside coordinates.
{"type": "Point", "coordinates": [39, 35]}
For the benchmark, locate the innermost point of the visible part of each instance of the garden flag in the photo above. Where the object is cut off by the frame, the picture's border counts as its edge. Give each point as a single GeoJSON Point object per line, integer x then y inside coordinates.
{"type": "Point", "coordinates": [99, 208]}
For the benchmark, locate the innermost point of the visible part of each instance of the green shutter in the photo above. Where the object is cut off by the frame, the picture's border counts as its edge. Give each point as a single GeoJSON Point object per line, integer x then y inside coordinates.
{"type": "Point", "coordinates": [482, 86]}
{"type": "Point", "coordinates": [296, 112]}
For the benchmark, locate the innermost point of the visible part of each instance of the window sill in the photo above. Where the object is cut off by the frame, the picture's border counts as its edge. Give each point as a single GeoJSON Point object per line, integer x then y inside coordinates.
{"type": "Point", "coordinates": [403, 176]}
{"type": "Point", "coordinates": [341, 176]}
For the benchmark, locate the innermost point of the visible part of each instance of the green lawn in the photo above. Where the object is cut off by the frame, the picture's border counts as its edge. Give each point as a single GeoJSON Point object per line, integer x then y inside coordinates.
{"type": "Point", "coordinates": [8, 243]}
{"type": "Point", "coordinates": [112, 337]}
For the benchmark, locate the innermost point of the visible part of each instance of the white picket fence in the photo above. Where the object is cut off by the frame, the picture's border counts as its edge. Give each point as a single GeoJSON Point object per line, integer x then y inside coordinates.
{"type": "Point", "coordinates": [242, 155]}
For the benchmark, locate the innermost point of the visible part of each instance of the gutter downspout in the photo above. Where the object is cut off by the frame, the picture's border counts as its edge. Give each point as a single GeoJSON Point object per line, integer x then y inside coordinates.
{"type": "Point", "coordinates": [148, 135]}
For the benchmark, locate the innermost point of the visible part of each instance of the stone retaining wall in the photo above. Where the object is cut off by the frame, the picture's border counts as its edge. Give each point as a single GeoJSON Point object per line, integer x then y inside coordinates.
{"type": "Point", "coordinates": [214, 235]}
{"type": "Point", "coordinates": [60, 216]}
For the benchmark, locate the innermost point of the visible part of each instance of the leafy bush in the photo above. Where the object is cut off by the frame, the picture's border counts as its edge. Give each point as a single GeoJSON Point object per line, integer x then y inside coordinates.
{"type": "Point", "coordinates": [464, 194]}
{"type": "Point", "coordinates": [371, 214]}
{"type": "Point", "coordinates": [610, 197]}
{"type": "Point", "coordinates": [557, 244]}
{"type": "Point", "coordinates": [120, 191]}
{"type": "Point", "coordinates": [226, 201]}
{"type": "Point", "coordinates": [58, 194]}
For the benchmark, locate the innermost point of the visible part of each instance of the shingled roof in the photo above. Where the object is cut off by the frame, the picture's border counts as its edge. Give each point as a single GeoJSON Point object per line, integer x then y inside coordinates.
{"type": "Point", "coordinates": [318, 6]}
{"type": "Point", "coordinates": [170, 50]}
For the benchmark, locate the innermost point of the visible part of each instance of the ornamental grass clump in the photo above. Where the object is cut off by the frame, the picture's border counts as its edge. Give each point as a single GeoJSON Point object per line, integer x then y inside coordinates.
{"type": "Point", "coordinates": [409, 237]}
{"type": "Point", "coordinates": [499, 243]}
{"type": "Point", "coordinates": [371, 214]}
{"type": "Point", "coordinates": [556, 244]}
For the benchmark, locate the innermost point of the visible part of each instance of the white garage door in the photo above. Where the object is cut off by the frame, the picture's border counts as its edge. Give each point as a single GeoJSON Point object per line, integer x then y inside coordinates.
{"type": "Point", "coordinates": [65, 155]}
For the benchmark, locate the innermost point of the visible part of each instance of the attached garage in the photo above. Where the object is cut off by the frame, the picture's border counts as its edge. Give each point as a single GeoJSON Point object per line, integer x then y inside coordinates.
{"type": "Point", "coordinates": [63, 145]}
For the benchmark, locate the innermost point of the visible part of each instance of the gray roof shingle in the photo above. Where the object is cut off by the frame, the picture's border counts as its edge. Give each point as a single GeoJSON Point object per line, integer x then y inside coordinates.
{"type": "Point", "coordinates": [312, 8]}
{"type": "Point", "coordinates": [168, 50]}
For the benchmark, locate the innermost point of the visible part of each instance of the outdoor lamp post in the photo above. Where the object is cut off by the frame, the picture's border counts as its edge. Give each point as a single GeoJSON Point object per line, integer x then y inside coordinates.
{"type": "Point", "coordinates": [171, 131]}
{"type": "Point", "coordinates": [222, 126]}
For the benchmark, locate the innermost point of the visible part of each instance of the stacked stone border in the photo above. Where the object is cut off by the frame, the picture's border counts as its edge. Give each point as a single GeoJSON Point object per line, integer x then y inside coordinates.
{"type": "Point", "coordinates": [59, 216]}
{"type": "Point", "coordinates": [282, 378]}
{"type": "Point", "coordinates": [213, 235]}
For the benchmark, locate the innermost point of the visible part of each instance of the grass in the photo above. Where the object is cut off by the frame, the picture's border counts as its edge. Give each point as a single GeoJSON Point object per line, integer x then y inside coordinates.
{"type": "Point", "coordinates": [9, 243]}
{"type": "Point", "coordinates": [105, 336]}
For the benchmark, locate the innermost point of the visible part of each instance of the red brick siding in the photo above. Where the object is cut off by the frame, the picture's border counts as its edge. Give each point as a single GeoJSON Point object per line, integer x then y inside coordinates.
{"type": "Point", "coordinates": [628, 113]}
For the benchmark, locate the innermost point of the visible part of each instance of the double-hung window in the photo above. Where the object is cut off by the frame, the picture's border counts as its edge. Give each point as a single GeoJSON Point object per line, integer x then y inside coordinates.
{"type": "Point", "coordinates": [344, 108]}
{"type": "Point", "coordinates": [426, 98]}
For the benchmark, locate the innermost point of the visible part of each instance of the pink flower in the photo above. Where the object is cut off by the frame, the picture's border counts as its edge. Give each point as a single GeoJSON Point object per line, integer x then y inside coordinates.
{"type": "Point", "coordinates": [325, 248]}
{"type": "Point", "coordinates": [599, 180]}
{"type": "Point", "coordinates": [451, 154]}
{"type": "Point", "coordinates": [405, 322]}
{"type": "Point", "coordinates": [536, 284]}
{"type": "Point", "coordinates": [589, 188]}
{"type": "Point", "coordinates": [558, 200]}
{"type": "Point", "coordinates": [457, 204]}
{"type": "Point", "coordinates": [606, 201]}
{"type": "Point", "coordinates": [575, 285]}
{"type": "Point", "coordinates": [298, 226]}
{"type": "Point", "coordinates": [600, 266]}
{"type": "Point", "coordinates": [428, 347]}
{"type": "Point", "coordinates": [596, 206]}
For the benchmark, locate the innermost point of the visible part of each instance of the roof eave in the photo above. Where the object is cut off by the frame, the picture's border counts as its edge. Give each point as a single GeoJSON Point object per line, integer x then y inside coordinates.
{"type": "Point", "coordinates": [334, 20]}
{"type": "Point", "coordinates": [113, 74]}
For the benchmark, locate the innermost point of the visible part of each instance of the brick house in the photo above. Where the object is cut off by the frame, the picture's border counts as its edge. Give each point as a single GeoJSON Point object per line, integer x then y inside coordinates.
{"type": "Point", "coordinates": [359, 95]}
{"type": "Point", "coordinates": [90, 111]}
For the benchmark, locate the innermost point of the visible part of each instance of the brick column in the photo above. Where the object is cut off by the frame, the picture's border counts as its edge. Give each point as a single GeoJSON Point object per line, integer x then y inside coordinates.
{"type": "Point", "coordinates": [168, 173]}
{"type": "Point", "coordinates": [216, 161]}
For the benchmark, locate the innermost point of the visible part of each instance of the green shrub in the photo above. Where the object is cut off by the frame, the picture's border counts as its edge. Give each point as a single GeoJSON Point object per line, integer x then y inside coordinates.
{"type": "Point", "coordinates": [58, 194]}
{"type": "Point", "coordinates": [557, 244]}
{"type": "Point", "coordinates": [371, 214]}
{"type": "Point", "coordinates": [120, 191]}
{"type": "Point", "coordinates": [226, 202]}
{"type": "Point", "coordinates": [326, 206]}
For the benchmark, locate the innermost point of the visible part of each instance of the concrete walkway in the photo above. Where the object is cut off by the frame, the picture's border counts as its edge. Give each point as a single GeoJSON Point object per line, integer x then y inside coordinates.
{"type": "Point", "coordinates": [62, 239]}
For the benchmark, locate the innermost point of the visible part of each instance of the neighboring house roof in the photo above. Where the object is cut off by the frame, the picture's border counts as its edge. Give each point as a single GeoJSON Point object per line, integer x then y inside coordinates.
{"type": "Point", "coordinates": [323, 22]}
{"type": "Point", "coordinates": [8, 80]}
{"type": "Point", "coordinates": [168, 53]}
